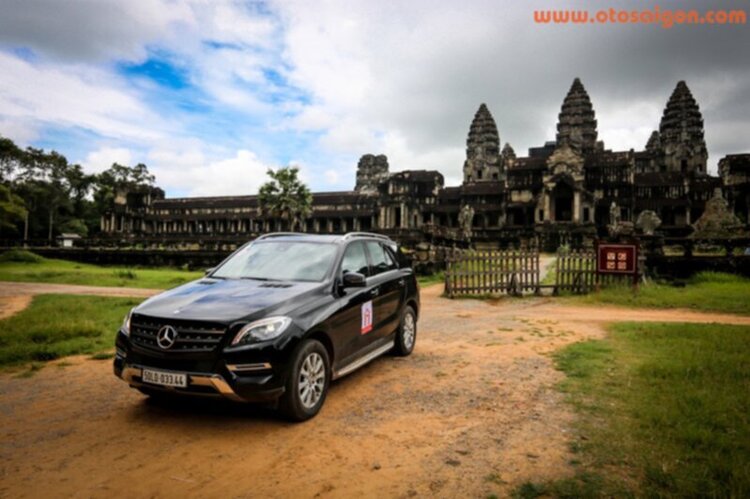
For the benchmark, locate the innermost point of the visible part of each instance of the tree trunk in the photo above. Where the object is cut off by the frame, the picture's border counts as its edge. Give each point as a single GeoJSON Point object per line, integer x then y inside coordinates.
{"type": "Point", "coordinates": [26, 230]}
{"type": "Point", "coordinates": [51, 223]}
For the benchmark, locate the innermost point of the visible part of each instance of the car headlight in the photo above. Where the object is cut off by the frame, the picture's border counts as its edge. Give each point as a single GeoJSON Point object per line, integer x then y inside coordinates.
{"type": "Point", "coordinates": [125, 328]}
{"type": "Point", "coordinates": [262, 330]}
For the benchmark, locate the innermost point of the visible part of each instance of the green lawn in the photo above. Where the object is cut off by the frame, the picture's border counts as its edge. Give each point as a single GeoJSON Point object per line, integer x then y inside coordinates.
{"type": "Point", "coordinates": [663, 411]}
{"type": "Point", "coordinates": [707, 291]}
{"type": "Point", "coordinates": [18, 266]}
{"type": "Point", "coordinates": [57, 325]}
{"type": "Point", "coordinates": [428, 280]}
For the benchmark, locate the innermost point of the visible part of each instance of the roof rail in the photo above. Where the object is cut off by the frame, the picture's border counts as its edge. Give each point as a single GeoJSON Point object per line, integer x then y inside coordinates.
{"type": "Point", "coordinates": [279, 234]}
{"type": "Point", "coordinates": [365, 234]}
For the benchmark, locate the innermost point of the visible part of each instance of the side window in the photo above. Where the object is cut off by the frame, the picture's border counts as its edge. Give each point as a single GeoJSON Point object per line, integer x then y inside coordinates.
{"type": "Point", "coordinates": [381, 260]}
{"type": "Point", "coordinates": [355, 259]}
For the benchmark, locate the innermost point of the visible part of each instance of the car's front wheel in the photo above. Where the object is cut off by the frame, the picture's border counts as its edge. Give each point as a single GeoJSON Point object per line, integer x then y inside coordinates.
{"type": "Point", "coordinates": [307, 381]}
{"type": "Point", "coordinates": [406, 336]}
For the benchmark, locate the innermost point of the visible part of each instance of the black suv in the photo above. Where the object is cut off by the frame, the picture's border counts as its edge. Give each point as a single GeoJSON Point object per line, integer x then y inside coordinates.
{"type": "Point", "coordinates": [276, 321]}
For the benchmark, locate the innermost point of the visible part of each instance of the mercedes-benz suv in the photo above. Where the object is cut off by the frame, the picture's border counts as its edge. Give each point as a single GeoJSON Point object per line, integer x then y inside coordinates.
{"type": "Point", "coordinates": [278, 320]}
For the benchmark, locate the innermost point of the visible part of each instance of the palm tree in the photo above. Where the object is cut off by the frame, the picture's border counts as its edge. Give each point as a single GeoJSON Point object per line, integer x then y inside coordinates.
{"type": "Point", "coordinates": [285, 196]}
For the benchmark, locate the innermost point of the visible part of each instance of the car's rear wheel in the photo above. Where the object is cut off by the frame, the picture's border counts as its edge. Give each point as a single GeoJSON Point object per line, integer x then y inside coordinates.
{"type": "Point", "coordinates": [406, 336]}
{"type": "Point", "coordinates": [307, 381]}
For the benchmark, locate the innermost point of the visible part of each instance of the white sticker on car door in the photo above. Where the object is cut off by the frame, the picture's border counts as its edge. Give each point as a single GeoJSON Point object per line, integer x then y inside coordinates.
{"type": "Point", "coordinates": [366, 317]}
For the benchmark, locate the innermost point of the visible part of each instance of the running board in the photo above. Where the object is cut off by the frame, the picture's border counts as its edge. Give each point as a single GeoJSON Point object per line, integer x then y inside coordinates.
{"type": "Point", "coordinates": [364, 360]}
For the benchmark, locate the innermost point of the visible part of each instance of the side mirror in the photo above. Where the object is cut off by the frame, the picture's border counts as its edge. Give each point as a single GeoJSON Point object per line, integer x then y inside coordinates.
{"type": "Point", "coordinates": [208, 271]}
{"type": "Point", "coordinates": [354, 280]}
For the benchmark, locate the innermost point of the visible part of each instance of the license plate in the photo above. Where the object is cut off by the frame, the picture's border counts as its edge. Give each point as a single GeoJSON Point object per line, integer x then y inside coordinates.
{"type": "Point", "coordinates": [164, 378]}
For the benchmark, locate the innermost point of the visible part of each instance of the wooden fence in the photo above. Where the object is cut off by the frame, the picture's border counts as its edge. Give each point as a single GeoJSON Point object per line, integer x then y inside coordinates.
{"type": "Point", "coordinates": [491, 272]}
{"type": "Point", "coordinates": [576, 273]}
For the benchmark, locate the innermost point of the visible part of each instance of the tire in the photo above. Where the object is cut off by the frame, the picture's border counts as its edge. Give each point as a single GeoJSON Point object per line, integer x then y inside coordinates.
{"type": "Point", "coordinates": [307, 381]}
{"type": "Point", "coordinates": [406, 334]}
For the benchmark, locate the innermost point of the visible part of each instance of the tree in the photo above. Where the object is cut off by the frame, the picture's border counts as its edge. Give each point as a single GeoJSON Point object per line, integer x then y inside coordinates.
{"type": "Point", "coordinates": [285, 196]}
{"type": "Point", "coordinates": [11, 158]}
{"type": "Point", "coordinates": [119, 178]}
{"type": "Point", "coordinates": [12, 209]}
{"type": "Point", "coordinates": [57, 195]}
{"type": "Point", "coordinates": [75, 226]}
{"type": "Point", "coordinates": [49, 172]}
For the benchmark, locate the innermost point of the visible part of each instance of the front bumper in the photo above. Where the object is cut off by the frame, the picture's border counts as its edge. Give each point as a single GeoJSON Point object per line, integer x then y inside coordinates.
{"type": "Point", "coordinates": [241, 383]}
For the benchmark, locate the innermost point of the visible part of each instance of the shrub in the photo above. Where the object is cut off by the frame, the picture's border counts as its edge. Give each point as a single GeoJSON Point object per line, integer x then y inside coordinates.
{"type": "Point", "coordinates": [22, 256]}
{"type": "Point", "coordinates": [125, 274]}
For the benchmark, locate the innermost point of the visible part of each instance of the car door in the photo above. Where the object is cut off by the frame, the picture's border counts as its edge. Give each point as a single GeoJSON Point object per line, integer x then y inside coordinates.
{"type": "Point", "coordinates": [350, 328]}
{"type": "Point", "coordinates": [387, 285]}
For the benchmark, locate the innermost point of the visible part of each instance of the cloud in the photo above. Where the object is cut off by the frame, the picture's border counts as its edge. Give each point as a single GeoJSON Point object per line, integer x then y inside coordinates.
{"type": "Point", "coordinates": [22, 131]}
{"type": "Point", "coordinates": [101, 159]}
{"type": "Point", "coordinates": [83, 97]}
{"type": "Point", "coordinates": [326, 82]}
{"type": "Point", "coordinates": [418, 70]}
{"type": "Point", "coordinates": [190, 173]}
{"type": "Point", "coordinates": [332, 176]}
{"type": "Point", "coordinates": [88, 30]}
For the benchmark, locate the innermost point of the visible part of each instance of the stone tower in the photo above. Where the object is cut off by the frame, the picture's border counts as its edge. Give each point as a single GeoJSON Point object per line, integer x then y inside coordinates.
{"type": "Point", "coordinates": [576, 126]}
{"type": "Point", "coordinates": [508, 156]}
{"type": "Point", "coordinates": [654, 143]}
{"type": "Point", "coordinates": [483, 150]}
{"type": "Point", "coordinates": [681, 133]}
{"type": "Point", "coordinates": [371, 170]}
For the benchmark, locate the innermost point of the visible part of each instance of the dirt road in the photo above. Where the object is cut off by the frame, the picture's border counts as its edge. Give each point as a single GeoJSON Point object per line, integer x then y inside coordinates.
{"type": "Point", "coordinates": [37, 288]}
{"type": "Point", "coordinates": [472, 412]}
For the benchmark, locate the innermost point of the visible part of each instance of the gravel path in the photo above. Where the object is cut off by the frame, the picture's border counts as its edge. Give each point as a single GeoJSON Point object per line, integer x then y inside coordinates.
{"type": "Point", "coordinates": [8, 288]}
{"type": "Point", "coordinates": [474, 411]}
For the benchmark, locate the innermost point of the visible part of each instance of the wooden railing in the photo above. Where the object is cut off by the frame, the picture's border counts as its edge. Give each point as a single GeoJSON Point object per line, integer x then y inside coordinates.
{"type": "Point", "coordinates": [471, 272]}
{"type": "Point", "coordinates": [576, 273]}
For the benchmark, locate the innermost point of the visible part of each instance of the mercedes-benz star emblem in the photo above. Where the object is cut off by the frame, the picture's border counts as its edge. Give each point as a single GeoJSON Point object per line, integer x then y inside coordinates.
{"type": "Point", "coordinates": [166, 337]}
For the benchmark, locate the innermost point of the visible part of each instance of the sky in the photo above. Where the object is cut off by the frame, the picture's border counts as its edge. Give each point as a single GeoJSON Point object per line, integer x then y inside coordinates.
{"type": "Point", "coordinates": [210, 94]}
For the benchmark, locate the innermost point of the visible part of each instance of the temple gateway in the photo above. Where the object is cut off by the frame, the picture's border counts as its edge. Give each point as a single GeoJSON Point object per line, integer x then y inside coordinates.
{"type": "Point", "coordinates": [565, 191]}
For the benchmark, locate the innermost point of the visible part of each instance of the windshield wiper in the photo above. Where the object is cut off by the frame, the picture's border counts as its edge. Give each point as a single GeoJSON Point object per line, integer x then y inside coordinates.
{"type": "Point", "coordinates": [258, 278]}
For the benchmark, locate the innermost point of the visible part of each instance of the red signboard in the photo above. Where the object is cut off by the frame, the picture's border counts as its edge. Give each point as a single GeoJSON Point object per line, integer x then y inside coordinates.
{"type": "Point", "coordinates": [617, 259]}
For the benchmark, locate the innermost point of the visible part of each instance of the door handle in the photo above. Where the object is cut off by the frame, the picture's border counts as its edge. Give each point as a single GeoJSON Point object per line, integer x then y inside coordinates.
{"type": "Point", "coordinates": [375, 292]}
{"type": "Point", "coordinates": [401, 282]}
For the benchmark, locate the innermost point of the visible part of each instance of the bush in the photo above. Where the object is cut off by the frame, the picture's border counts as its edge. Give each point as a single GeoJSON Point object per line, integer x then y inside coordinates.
{"type": "Point", "coordinates": [22, 256]}
{"type": "Point", "coordinates": [717, 277]}
{"type": "Point", "coordinates": [125, 274]}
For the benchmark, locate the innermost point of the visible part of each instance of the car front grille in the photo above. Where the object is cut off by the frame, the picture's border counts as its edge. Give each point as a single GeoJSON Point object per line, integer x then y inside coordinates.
{"type": "Point", "coordinates": [192, 337]}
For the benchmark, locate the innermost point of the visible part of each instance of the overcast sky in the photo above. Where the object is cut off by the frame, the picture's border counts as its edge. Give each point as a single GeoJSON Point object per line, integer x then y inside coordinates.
{"type": "Point", "coordinates": [211, 94]}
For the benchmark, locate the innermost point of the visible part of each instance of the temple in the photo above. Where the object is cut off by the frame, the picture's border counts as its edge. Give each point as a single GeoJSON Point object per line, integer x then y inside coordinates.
{"type": "Point", "coordinates": [564, 191]}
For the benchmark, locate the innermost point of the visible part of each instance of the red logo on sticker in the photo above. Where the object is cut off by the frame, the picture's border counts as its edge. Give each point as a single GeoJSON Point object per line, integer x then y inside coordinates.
{"type": "Point", "coordinates": [366, 317]}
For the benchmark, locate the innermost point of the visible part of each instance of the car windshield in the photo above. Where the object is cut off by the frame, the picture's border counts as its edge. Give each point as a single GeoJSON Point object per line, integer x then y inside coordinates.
{"type": "Point", "coordinates": [280, 261]}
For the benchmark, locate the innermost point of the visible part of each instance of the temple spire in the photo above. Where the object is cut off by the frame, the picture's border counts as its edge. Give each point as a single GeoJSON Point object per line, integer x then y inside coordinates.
{"type": "Point", "coordinates": [681, 133]}
{"type": "Point", "coordinates": [576, 126]}
{"type": "Point", "coordinates": [483, 149]}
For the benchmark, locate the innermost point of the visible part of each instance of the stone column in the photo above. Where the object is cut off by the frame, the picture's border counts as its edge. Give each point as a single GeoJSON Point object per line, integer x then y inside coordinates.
{"type": "Point", "coordinates": [547, 208]}
{"type": "Point", "coordinates": [576, 207]}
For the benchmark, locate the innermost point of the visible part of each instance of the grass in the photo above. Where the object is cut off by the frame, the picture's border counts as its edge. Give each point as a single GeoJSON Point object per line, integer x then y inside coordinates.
{"type": "Point", "coordinates": [17, 265]}
{"type": "Point", "coordinates": [706, 291]}
{"type": "Point", "coordinates": [54, 326]}
{"type": "Point", "coordinates": [430, 279]}
{"type": "Point", "coordinates": [663, 412]}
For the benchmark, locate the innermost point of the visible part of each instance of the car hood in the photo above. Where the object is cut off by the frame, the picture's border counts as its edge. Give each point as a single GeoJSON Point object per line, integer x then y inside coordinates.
{"type": "Point", "coordinates": [226, 301]}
